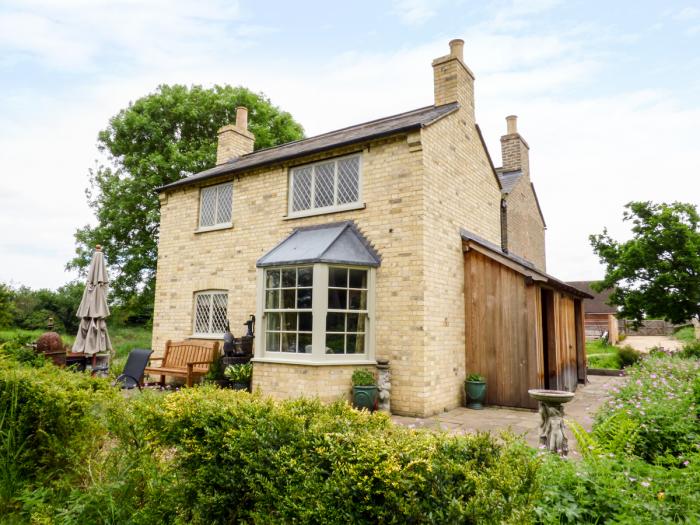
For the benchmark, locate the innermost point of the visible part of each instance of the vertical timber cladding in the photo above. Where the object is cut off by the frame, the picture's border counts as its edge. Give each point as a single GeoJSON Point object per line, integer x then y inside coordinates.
{"type": "Point", "coordinates": [565, 322]}
{"type": "Point", "coordinates": [503, 331]}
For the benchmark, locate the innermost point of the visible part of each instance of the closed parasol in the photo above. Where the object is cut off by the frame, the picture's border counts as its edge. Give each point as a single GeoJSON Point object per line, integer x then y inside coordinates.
{"type": "Point", "coordinates": [92, 335]}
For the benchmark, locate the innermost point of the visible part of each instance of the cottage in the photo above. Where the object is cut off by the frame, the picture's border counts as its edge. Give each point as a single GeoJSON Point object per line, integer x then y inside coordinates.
{"type": "Point", "coordinates": [599, 317]}
{"type": "Point", "coordinates": [394, 239]}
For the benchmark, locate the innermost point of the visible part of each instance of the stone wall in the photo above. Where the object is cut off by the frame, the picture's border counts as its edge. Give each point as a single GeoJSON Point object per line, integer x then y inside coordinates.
{"type": "Point", "coordinates": [392, 219]}
{"type": "Point", "coordinates": [526, 230]}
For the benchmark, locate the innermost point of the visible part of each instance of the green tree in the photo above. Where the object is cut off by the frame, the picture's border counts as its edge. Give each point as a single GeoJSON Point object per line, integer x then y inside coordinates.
{"type": "Point", "coordinates": [657, 272]}
{"type": "Point", "coordinates": [157, 140]}
{"type": "Point", "coordinates": [7, 305]}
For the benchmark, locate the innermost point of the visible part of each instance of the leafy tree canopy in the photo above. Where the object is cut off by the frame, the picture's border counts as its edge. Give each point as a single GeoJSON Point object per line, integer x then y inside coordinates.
{"type": "Point", "coordinates": [157, 140]}
{"type": "Point", "coordinates": [656, 273]}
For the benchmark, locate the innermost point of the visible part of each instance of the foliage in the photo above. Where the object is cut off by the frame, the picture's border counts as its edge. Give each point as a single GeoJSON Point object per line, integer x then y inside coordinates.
{"type": "Point", "coordinates": [657, 272]}
{"type": "Point", "coordinates": [690, 351]}
{"type": "Point", "coordinates": [614, 489]}
{"type": "Point", "coordinates": [477, 378]}
{"type": "Point", "coordinates": [32, 308]}
{"type": "Point", "coordinates": [216, 371]}
{"type": "Point", "coordinates": [628, 355]}
{"type": "Point", "coordinates": [242, 458]}
{"type": "Point", "coordinates": [241, 373]}
{"type": "Point", "coordinates": [685, 334]}
{"type": "Point", "coordinates": [600, 354]}
{"type": "Point", "coordinates": [658, 398]}
{"type": "Point", "coordinates": [7, 306]}
{"type": "Point", "coordinates": [363, 377]}
{"type": "Point", "coordinates": [157, 140]}
{"type": "Point", "coordinates": [50, 414]}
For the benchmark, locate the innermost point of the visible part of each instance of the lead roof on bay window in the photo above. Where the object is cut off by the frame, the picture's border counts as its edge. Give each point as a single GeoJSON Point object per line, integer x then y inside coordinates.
{"type": "Point", "coordinates": [335, 243]}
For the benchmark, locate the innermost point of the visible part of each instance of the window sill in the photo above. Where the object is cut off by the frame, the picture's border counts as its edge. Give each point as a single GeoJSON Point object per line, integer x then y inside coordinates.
{"type": "Point", "coordinates": [324, 362]}
{"type": "Point", "coordinates": [324, 211]}
{"type": "Point", "coordinates": [214, 337]}
{"type": "Point", "coordinates": [218, 227]}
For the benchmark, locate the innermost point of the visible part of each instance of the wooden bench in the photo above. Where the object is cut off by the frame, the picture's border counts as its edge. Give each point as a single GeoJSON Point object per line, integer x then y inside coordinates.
{"type": "Point", "coordinates": [188, 359]}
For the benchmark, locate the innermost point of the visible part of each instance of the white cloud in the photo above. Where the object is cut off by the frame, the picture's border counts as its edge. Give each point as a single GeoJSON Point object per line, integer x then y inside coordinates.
{"type": "Point", "coordinates": [415, 12]}
{"type": "Point", "coordinates": [590, 154]}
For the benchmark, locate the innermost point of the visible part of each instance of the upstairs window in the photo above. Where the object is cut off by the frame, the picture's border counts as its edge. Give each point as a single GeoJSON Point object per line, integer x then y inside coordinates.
{"type": "Point", "coordinates": [325, 186]}
{"type": "Point", "coordinates": [210, 313]}
{"type": "Point", "coordinates": [215, 206]}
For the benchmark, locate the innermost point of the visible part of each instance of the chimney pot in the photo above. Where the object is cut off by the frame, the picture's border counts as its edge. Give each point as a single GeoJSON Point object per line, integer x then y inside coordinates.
{"type": "Point", "coordinates": [242, 117]}
{"type": "Point", "coordinates": [512, 121]}
{"type": "Point", "coordinates": [457, 48]}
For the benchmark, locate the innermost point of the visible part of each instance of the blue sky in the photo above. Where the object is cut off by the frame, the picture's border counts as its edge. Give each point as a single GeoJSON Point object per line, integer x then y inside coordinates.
{"type": "Point", "coordinates": [606, 94]}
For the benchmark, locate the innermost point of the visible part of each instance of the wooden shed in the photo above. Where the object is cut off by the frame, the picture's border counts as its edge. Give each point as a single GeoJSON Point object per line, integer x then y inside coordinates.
{"type": "Point", "coordinates": [523, 328]}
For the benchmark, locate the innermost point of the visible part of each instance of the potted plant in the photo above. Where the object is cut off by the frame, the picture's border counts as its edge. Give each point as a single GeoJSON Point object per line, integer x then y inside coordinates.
{"type": "Point", "coordinates": [364, 389]}
{"type": "Point", "coordinates": [239, 376]}
{"type": "Point", "coordinates": [475, 385]}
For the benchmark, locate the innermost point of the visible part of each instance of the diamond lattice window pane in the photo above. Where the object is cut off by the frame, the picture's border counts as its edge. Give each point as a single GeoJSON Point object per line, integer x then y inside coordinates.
{"type": "Point", "coordinates": [301, 199]}
{"type": "Point", "coordinates": [225, 198]}
{"type": "Point", "coordinates": [348, 180]}
{"type": "Point", "coordinates": [324, 185]}
{"type": "Point", "coordinates": [201, 313]}
{"type": "Point", "coordinates": [207, 209]}
{"type": "Point", "coordinates": [218, 313]}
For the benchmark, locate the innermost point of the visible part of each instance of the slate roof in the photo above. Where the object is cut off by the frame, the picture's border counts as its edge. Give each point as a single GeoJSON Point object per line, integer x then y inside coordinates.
{"type": "Point", "coordinates": [335, 243]}
{"type": "Point", "coordinates": [374, 129]}
{"type": "Point", "coordinates": [508, 179]}
{"type": "Point", "coordinates": [549, 279]}
{"type": "Point", "coordinates": [597, 305]}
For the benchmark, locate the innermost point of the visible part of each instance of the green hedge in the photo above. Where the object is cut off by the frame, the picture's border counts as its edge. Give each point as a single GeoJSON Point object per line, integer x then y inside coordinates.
{"type": "Point", "coordinates": [244, 458]}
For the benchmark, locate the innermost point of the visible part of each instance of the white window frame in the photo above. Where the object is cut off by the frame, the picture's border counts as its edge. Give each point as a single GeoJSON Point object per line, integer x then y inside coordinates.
{"type": "Point", "coordinates": [358, 204]}
{"type": "Point", "coordinates": [216, 225]}
{"type": "Point", "coordinates": [210, 334]}
{"type": "Point", "coordinates": [319, 310]}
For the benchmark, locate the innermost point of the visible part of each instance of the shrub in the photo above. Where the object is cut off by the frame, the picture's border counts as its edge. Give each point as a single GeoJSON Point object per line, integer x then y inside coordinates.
{"type": "Point", "coordinates": [613, 489]}
{"type": "Point", "coordinates": [628, 355]}
{"type": "Point", "coordinates": [690, 351]}
{"type": "Point", "coordinates": [363, 377]}
{"type": "Point", "coordinates": [476, 377]}
{"type": "Point", "coordinates": [241, 458]}
{"type": "Point", "coordinates": [658, 398]}
{"type": "Point", "coordinates": [239, 373]}
{"type": "Point", "coordinates": [51, 414]}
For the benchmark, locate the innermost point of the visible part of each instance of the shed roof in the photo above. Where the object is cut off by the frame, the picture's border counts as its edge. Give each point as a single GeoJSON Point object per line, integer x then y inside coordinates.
{"type": "Point", "coordinates": [343, 137]}
{"type": "Point", "coordinates": [522, 265]}
{"type": "Point", "coordinates": [598, 303]}
{"type": "Point", "coordinates": [337, 243]}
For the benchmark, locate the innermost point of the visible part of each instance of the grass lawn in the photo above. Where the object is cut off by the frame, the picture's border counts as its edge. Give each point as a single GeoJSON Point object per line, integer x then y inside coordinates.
{"type": "Point", "coordinates": [601, 355]}
{"type": "Point", "coordinates": [124, 339]}
{"type": "Point", "coordinates": [686, 334]}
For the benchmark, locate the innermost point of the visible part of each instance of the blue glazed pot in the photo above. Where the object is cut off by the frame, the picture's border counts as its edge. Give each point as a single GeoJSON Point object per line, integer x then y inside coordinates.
{"type": "Point", "coordinates": [476, 393]}
{"type": "Point", "coordinates": [365, 397]}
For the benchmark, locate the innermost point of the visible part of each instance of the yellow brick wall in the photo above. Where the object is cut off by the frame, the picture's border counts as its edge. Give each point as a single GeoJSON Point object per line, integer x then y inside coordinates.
{"type": "Point", "coordinates": [526, 231]}
{"type": "Point", "coordinates": [392, 188]}
{"type": "Point", "coordinates": [328, 383]}
{"type": "Point", "coordinates": [461, 191]}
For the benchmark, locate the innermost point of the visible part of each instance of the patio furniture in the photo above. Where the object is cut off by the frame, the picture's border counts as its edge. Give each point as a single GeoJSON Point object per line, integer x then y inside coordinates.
{"type": "Point", "coordinates": [134, 369]}
{"type": "Point", "coordinates": [188, 359]}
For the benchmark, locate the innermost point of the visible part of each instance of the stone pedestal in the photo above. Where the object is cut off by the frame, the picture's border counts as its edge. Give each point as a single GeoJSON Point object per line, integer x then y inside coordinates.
{"type": "Point", "coordinates": [384, 384]}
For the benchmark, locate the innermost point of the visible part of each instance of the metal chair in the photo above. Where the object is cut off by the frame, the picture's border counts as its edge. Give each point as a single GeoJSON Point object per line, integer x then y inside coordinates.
{"type": "Point", "coordinates": [134, 368]}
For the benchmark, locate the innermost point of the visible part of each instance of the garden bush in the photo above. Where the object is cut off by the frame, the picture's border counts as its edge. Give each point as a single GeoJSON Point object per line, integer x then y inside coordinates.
{"type": "Point", "coordinates": [628, 356]}
{"type": "Point", "coordinates": [244, 458]}
{"type": "Point", "coordinates": [658, 398]}
{"type": "Point", "coordinates": [691, 350]}
{"type": "Point", "coordinates": [49, 423]}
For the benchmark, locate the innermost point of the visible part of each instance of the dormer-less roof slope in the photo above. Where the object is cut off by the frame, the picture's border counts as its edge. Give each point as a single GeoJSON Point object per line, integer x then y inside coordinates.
{"type": "Point", "coordinates": [599, 302]}
{"type": "Point", "coordinates": [336, 243]}
{"type": "Point", "coordinates": [374, 129]}
{"type": "Point", "coordinates": [508, 179]}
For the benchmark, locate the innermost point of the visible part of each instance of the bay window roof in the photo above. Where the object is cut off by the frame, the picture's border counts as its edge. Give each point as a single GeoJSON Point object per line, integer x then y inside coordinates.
{"type": "Point", "coordinates": [335, 243]}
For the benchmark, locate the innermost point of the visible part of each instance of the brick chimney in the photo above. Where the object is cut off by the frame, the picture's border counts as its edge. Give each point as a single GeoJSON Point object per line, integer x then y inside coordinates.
{"type": "Point", "coordinates": [453, 81]}
{"type": "Point", "coordinates": [514, 150]}
{"type": "Point", "coordinates": [235, 141]}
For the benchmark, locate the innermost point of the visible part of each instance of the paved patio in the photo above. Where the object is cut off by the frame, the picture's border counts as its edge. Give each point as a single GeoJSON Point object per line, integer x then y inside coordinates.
{"type": "Point", "coordinates": [526, 422]}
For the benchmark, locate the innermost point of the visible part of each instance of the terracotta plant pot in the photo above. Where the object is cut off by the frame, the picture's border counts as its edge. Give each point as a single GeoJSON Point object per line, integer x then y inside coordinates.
{"type": "Point", "coordinates": [476, 393]}
{"type": "Point", "coordinates": [365, 397]}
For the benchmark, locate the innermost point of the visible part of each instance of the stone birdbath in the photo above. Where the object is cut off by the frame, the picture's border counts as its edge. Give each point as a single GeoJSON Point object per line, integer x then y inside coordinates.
{"type": "Point", "coordinates": [552, 426]}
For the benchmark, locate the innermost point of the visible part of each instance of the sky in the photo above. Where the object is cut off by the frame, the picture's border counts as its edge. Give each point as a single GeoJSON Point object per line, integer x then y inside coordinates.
{"type": "Point", "coordinates": [606, 94]}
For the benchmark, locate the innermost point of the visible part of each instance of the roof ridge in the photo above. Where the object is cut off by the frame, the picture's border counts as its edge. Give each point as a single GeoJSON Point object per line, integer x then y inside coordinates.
{"type": "Point", "coordinates": [339, 130]}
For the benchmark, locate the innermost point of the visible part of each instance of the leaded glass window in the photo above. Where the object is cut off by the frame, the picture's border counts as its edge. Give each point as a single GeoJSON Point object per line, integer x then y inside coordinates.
{"type": "Point", "coordinates": [215, 205]}
{"type": "Point", "coordinates": [210, 312]}
{"type": "Point", "coordinates": [325, 185]}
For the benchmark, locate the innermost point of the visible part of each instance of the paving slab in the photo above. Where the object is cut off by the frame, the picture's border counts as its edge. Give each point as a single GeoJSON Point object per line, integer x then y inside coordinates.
{"type": "Point", "coordinates": [463, 420]}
